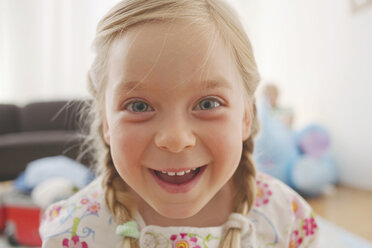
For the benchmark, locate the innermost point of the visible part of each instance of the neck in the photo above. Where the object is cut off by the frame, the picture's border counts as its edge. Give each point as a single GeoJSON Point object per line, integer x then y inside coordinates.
{"type": "Point", "coordinates": [209, 215]}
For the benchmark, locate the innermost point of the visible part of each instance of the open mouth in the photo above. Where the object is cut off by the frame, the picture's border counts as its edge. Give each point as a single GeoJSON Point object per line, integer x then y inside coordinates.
{"type": "Point", "coordinates": [180, 177]}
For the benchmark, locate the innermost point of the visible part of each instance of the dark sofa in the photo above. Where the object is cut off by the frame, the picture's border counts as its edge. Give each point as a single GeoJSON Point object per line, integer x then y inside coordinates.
{"type": "Point", "coordinates": [37, 130]}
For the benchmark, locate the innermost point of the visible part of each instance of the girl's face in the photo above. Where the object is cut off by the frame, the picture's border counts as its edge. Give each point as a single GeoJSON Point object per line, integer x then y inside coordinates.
{"type": "Point", "coordinates": [174, 115]}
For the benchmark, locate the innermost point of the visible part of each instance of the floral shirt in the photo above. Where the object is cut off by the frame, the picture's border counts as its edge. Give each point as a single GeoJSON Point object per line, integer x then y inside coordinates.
{"type": "Point", "coordinates": [279, 218]}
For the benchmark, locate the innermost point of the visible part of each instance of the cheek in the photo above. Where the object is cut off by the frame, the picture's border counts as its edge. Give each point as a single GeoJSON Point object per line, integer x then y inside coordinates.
{"type": "Point", "coordinates": [225, 143]}
{"type": "Point", "coordinates": [228, 150]}
{"type": "Point", "coordinates": [128, 143]}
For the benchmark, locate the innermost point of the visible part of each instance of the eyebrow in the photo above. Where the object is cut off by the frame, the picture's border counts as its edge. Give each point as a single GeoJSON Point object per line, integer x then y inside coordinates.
{"type": "Point", "coordinates": [205, 85]}
{"type": "Point", "coordinates": [130, 86]}
{"type": "Point", "coordinates": [216, 84]}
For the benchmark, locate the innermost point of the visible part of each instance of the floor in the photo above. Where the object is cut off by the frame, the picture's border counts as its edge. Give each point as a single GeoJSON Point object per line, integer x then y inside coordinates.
{"type": "Point", "coordinates": [349, 208]}
{"type": "Point", "coordinates": [5, 244]}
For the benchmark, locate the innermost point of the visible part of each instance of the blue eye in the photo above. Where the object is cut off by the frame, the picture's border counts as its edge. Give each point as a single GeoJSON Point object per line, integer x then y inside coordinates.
{"type": "Point", "coordinates": [138, 107]}
{"type": "Point", "coordinates": [208, 104]}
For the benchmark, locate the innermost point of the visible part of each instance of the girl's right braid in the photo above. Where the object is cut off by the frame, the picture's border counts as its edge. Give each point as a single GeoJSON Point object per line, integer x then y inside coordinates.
{"type": "Point", "coordinates": [118, 201]}
{"type": "Point", "coordinates": [110, 175]}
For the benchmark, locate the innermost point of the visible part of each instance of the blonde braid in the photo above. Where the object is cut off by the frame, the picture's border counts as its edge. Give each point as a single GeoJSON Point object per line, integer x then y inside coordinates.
{"type": "Point", "coordinates": [118, 200]}
{"type": "Point", "coordinates": [245, 183]}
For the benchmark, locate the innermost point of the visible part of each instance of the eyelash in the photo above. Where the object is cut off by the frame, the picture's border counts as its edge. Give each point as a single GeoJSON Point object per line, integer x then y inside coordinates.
{"type": "Point", "coordinates": [219, 103]}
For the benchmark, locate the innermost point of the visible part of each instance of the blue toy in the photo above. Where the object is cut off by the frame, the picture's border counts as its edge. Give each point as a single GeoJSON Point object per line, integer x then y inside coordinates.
{"type": "Point", "coordinates": [275, 147]}
{"type": "Point", "coordinates": [312, 176]}
{"type": "Point", "coordinates": [314, 141]}
{"type": "Point", "coordinates": [301, 160]}
{"type": "Point", "coordinates": [43, 169]}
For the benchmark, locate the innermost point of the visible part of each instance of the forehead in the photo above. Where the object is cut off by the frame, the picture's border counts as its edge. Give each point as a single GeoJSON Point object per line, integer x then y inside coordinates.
{"type": "Point", "coordinates": [174, 53]}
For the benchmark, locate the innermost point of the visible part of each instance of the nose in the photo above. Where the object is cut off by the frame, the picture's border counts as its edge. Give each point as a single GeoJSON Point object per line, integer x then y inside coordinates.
{"type": "Point", "coordinates": [175, 136]}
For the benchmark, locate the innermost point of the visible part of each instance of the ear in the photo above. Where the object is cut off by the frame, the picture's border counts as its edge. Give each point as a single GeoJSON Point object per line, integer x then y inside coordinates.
{"type": "Point", "coordinates": [246, 125]}
{"type": "Point", "coordinates": [105, 131]}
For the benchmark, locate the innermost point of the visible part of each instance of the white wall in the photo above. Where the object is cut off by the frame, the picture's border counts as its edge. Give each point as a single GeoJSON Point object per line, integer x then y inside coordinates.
{"type": "Point", "coordinates": [319, 53]}
{"type": "Point", "coordinates": [45, 47]}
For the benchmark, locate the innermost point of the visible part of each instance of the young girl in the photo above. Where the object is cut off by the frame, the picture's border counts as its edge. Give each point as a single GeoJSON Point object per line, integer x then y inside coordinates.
{"type": "Point", "coordinates": [173, 87]}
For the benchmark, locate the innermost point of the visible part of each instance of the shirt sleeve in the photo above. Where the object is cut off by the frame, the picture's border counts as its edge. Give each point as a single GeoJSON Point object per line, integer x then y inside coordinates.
{"type": "Point", "coordinates": [52, 242]}
{"type": "Point", "coordinates": [282, 217]}
{"type": "Point", "coordinates": [82, 220]}
{"type": "Point", "coordinates": [305, 229]}
{"type": "Point", "coordinates": [53, 230]}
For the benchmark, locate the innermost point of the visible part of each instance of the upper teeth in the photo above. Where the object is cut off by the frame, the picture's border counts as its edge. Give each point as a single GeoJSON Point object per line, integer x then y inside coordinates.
{"type": "Point", "coordinates": [180, 173]}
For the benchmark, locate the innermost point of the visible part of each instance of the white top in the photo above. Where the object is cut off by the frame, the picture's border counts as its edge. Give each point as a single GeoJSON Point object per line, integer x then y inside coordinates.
{"type": "Point", "coordinates": [279, 218]}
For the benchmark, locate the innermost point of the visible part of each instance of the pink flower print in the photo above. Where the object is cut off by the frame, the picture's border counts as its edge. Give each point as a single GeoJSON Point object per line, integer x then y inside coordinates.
{"type": "Point", "coordinates": [44, 217]}
{"type": "Point", "coordinates": [74, 243]}
{"type": "Point", "coordinates": [54, 212]}
{"type": "Point", "coordinates": [184, 240]}
{"type": "Point", "coordinates": [95, 194]}
{"type": "Point", "coordinates": [263, 193]}
{"type": "Point", "coordinates": [295, 240]}
{"type": "Point", "coordinates": [297, 208]}
{"type": "Point", "coordinates": [309, 226]}
{"type": "Point", "coordinates": [264, 176]}
{"type": "Point", "coordinates": [194, 239]}
{"type": "Point", "coordinates": [94, 207]}
{"type": "Point", "coordinates": [84, 201]}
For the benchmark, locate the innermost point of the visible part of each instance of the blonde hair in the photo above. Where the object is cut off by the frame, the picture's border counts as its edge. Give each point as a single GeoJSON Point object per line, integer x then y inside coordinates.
{"type": "Point", "coordinates": [129, 13]}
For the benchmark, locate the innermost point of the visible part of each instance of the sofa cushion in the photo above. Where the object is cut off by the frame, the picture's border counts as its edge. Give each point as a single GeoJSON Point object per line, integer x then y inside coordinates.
{"type": "Point", "coordinates": [56, 115]}
{"type": "Point", "coordinates": [9, 118]}
{"type": "Point", "coordinates": [18, 149]}
{"type": "Point", "coordinates": [37, 138]}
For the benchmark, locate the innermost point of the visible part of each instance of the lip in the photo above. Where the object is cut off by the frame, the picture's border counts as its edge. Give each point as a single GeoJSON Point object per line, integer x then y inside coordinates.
{"type": "Point", "coordinates": [178, 170]}
{"type": "Point", "coordinates": [180, 188]}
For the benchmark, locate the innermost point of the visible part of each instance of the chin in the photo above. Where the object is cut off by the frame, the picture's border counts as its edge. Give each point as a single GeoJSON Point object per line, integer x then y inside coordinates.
{"type": "Point", "coordinates": [178, 212]}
